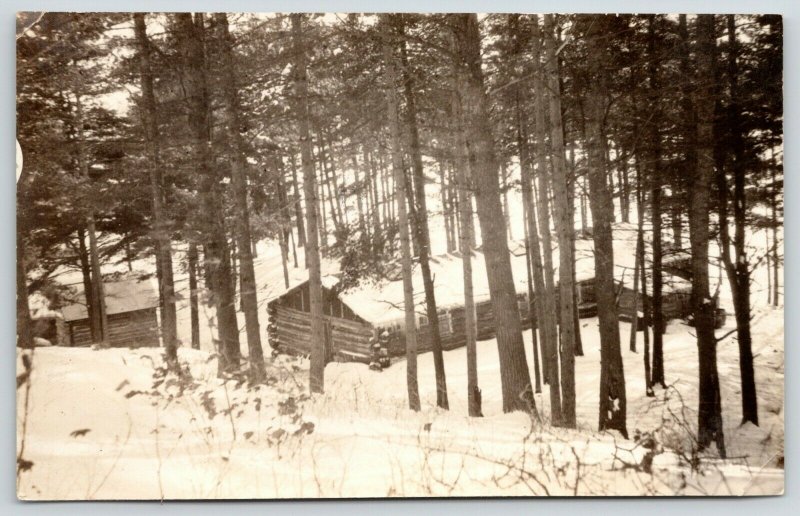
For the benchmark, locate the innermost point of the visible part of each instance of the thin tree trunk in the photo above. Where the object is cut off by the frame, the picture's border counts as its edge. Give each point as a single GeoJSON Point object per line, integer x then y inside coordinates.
{"type": "Point", "coordinates": [169, 323]}
{"type": "Point", "coordinates": [463, 189]}
{"type": "Point", "coordinates": [405, 239]}
{"type": "Point", "coordinates": [515, 379]}
{"type": "Point", "coordinates": [419, 220]}
{"type": "Point", "coordinates": [532, 307]}
{"type": "Point", "coordinates": [739, 272]}
{"type": "Point", "coordinates": [88, 290]}
{"type": "Point", "coordinates": [298, 208]}
{"type": "Point", "coordinates": [194, 308]}
{"type": "Point", "coordinates": [550, 309]}
{"type": "Point", "coordinates": [573, 176]}
{"type": "Point", "coordinates": [654, 169]}
{"type": "Point", "coordinates": [564, 225]}
{"type": "Point", "coordinates": [317, 369]}
{"type": "Point", "coordinates": [446, 207]}
{"type": "Point", "coordinates": [99, 317]}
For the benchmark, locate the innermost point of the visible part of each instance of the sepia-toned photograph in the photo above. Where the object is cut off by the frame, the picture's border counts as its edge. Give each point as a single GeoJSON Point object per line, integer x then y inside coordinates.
{"type": "Point", "coordinates": [398, 255]}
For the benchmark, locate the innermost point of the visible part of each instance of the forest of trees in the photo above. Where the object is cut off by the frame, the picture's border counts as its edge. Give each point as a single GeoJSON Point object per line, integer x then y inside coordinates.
{"type": "Point", "coordinates": [330, 135]}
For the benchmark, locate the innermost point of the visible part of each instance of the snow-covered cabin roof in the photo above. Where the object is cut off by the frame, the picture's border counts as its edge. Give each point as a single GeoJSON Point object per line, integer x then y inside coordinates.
{"type": "Point", "coordinates": [122, 296]}
{"type": "Point", "coordinates": [381, 302]}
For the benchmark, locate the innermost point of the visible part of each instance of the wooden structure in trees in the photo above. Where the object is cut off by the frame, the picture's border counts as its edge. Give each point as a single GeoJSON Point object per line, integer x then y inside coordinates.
{"type": "Point", "coordinates": [132, 308]}
{"type": "Point", "coordinates": [366, 323]}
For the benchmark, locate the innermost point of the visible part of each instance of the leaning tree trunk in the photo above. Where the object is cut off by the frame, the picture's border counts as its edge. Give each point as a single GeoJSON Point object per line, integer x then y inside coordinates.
{"type": "Point", "coordinates": [548, 295]}
{"type": "Point", "coordinates": [709, 414]}
{"type": "Point", "coordinates": [515, 378]}
{"type": "Point", "coordinates": [420, 223]}
{"type": "Point", "coordinates": [249, 289]}
{"type": "Point", "coordinates": [302, 114]}
{"type": "Point", "coordinates": [612, 377]}
{"type": "Point", "coordinates": [163, 245]}
{"type": "Point", "coordinates": [405, 238]}
{"type": "Point", "coordinates": [564, 228]}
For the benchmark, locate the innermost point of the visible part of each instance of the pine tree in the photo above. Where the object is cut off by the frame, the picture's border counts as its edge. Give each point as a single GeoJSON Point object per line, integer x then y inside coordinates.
{"type": "Point", "coordinates": [709, 414]}
{"type": "Point", "coordinates": [302, 115]}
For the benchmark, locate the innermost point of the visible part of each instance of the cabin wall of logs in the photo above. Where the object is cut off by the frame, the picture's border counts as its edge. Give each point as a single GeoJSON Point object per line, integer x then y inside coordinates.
{"type": "Point", "coordinates": [347, 337]}
{"type": "Point", "coordinates": [350, 338]}
{"type": "Point", "coordinates": [135, 329]}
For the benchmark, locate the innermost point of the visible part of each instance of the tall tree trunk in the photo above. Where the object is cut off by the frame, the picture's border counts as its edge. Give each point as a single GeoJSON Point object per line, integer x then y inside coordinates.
{"type": "Point", "coordinates": [540, 321]}
{"type": "Point", "coordinates": [515, 378]}
{"type": "Point", "coordinates": [548, 294]}
{"type": "Point", "coordinates": [248, 289]}
{"type": "Point", "coordinates": [216, 252]}
{"type": "Point", "coordinates": [298, 208]}
{"type": "Point", "coordinates": [163, 245]}
{"type": "Point", "coordinates": [564, 225]}
{"type": "Point", "coordinates": [573, 180]}
{"type": "Point", "coordinates": [98, 289]}
{"type": "Point", "coordinates": [709, 414]}
{"type": "Point", "coordinates": [463, 189]}
{"type": "Point", "coordinates": [654, 170]}
{"type": "Point", "coordinates": [420, 223]}
{"type": "Point", "coordinates": [446, 207]}
{"type": "Point", "coordinates": [741, 270]}
{"type": "Point", "coordinates": [99, 317]}
{"type": "Point", "coordinates": [612, 377]}
{"type": "Point", "coordinates": [405, 239]}
{"type": "Point", "coordinates": [302, 113]}
{"type": "Point", "coordinates": [194, 308]}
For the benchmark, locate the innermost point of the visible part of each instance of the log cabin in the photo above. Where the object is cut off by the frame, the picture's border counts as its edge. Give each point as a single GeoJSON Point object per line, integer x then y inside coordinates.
{"type": "Point", "coordinates": [132, 308]}
{"type": "Point", "coordinates": [366, 323]}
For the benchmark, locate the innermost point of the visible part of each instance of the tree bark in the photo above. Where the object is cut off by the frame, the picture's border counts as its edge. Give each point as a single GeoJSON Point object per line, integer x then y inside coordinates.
{"type": "Point", "coordinates": [515, 378]}
{"type": "Point", "coordinates": [654, 170]}
{"type": "Point", "coordinates": [564, 225]}
{"type": "Point", "coordinates": [709, 414]}
{"type": "Point", "coordinates": [163, 244]}
{"type": "Point", "coordinates": [739, 273]}
{"type": "Point", "coordinates": [612, 376]}
{"type": "Point", "coordinates": [248, 290]}
{"type": "Point", "coordinates": [463, 190]}
{"type": "Point", "coordinates": [392, 103]}
{"type": "Point", "coordinates": [216, 252]}
{"type": "Point", "coordinates": [420, 223]}
{"type": "Point", "coordinates": [298, 208]}
{"type": "Point", "coordinates": [302, 114]}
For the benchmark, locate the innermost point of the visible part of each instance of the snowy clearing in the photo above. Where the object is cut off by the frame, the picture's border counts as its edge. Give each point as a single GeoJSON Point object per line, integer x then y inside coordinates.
{"type": "Point", "coordinates": [98, 429]}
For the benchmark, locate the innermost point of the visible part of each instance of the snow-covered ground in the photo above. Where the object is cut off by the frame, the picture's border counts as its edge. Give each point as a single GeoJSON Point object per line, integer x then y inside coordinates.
{"type": "Point", "coordinates": [97, 428]}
